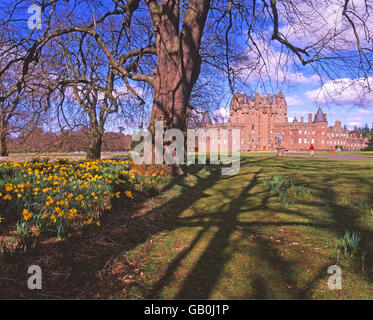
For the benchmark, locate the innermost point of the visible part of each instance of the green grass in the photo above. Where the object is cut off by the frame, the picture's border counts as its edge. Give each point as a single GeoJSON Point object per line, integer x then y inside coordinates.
{"type": "Point", "coordinates": [209, 236]}
{"type": "Point", "coordinates": [228, 237]}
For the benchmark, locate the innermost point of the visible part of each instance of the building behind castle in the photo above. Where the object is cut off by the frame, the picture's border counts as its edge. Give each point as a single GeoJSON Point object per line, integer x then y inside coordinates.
{"type": "Point", "coordinates": [263, 123]}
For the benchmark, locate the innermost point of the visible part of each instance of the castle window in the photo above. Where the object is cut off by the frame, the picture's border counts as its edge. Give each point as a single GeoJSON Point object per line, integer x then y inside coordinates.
{"type": "Point", "coordinates": [313, 140]}
{"type": "Point", "coordinates": [322, 141]}
{"type": "Point", "coordinates": [300, 140]}
{"type": "Point", "coordinates": [300, 131]}
{"type": "Point", "coordinates": [305, 140]}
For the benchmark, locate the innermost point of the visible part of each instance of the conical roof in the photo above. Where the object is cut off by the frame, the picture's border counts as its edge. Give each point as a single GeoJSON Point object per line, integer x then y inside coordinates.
{"type": "Point", "coordinates": [320, 117]}
{"type": "Point", "coordinates": [206, 118]}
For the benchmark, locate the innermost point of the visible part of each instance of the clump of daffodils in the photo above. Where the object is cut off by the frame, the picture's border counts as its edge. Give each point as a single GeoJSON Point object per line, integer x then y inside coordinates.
{"type": "Point", "coordinates": [67, 192]}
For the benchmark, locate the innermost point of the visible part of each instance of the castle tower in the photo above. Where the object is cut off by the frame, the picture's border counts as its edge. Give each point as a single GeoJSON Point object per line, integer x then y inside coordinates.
{"type": "Point", "coordinates": [320, 125]}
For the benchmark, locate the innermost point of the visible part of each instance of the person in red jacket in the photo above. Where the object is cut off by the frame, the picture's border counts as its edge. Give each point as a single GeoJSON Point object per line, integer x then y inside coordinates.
{"type": "Point", "coordinates": [312, 149]}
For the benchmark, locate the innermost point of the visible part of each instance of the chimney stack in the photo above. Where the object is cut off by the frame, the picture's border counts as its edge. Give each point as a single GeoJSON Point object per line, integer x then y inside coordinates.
{"type": "Point", "coordinates": [310, 117]}
{"type": "Point", "coordinates": [301, 119]}
{"type": "Point", "coordinates": [325, 116]}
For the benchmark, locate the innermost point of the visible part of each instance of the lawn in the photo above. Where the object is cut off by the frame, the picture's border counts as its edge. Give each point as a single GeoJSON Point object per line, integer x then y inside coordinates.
{"type": "Point", "coordinates": [208, 236]}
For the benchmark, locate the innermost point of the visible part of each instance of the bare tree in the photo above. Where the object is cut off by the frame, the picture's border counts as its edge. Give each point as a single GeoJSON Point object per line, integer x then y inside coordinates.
{"type": "Point", "coordinates": [90, 82]}
{"type": "Point", "coordinates": [165, 44]}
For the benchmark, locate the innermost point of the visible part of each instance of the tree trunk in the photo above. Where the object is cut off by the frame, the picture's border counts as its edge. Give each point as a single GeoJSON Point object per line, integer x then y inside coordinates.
{"type": "Point", "coordinates": [179, 62]}
{"type": "Point", "coordinates": [3, 143]}
{"type": "Point", "coordinates": [95, 143]}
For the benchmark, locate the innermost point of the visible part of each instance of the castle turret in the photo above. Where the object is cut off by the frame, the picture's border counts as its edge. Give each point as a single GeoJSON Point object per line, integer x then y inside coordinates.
{"type": "Point", "coordinates": [320, 116]}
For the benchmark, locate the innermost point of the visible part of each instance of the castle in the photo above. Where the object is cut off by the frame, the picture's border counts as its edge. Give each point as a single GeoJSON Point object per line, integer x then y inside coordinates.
{"type": "Point", "coordinates": [264, 124]}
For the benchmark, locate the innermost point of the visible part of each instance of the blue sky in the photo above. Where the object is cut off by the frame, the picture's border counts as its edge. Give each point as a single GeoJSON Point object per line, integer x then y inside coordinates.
{"type": "Point", "coordinates": [342, 98]}
{"type": "Point", "coordinates": [302, 99]}
{"type": "Point", "coordinates": [304, 89]}
{"type": "Point", "coordinates": [339, 87]}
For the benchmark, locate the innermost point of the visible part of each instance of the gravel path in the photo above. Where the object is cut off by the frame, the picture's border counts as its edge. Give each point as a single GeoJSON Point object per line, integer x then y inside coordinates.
{"type": "Point", "coordinates": [332, 156]}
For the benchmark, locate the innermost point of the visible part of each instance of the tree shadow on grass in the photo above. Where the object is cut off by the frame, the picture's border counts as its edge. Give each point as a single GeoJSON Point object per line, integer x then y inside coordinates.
{"type": "Point", "coordinates": [207, 271]}
{"type": "Point", "coordinates": [83, 265]}
{"type": "Point", "coordinates": [79, 266]}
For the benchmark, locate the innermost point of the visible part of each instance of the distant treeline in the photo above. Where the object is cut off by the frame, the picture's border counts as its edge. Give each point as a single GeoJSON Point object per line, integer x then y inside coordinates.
{"type": "Point", "coordinates": [74, 141]}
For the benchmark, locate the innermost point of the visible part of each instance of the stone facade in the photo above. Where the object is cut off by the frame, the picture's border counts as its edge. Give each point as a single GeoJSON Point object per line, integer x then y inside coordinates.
{"type": "Point", "coordinates": [263, 119]}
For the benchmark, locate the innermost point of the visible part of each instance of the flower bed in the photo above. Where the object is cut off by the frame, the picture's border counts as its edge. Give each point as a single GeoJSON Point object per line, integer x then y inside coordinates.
{"type": "Point", "coordinates": [38, 196]}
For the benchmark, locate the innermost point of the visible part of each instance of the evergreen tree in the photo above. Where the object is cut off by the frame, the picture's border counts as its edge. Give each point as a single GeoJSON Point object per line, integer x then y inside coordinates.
{"type": "Point", "coordinates": [365, 131]}
{"type": "Point", "coordinates": [370, 143]}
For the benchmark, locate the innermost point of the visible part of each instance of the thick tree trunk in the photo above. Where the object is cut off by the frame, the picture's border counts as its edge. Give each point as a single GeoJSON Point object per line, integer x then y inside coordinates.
{"type": "Point", "coordinates": [179, 63]}
{"type": "Point", "coordinates": [95, 144]}
{"type": "Point", "coordinates": [3, 143]}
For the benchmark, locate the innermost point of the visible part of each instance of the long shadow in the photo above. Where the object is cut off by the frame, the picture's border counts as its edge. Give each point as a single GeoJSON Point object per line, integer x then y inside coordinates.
{"type": "Point", "coordinates": [206, 271]}
{"type": "Point", "coordinates": [71, 266]}
{"type": "Point", "coordinates": [93, 257]}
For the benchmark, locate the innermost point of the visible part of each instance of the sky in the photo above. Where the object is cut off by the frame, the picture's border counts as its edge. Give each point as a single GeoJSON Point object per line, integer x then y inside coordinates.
{"type": "Point", "coordinates": [308, 97]}
{"type": "Point", "coordinates": [345, 96]}
{"type": "Point", "coordinates": [340, 99]}
{"type": "Point", "coordinates": [303, 88]}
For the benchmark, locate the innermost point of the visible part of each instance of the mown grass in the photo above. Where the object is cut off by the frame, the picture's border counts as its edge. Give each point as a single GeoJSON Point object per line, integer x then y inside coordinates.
{"type": "Point", "coordinates": [230, 238]}
{"type": "Point", "coordinates": [209, 236]}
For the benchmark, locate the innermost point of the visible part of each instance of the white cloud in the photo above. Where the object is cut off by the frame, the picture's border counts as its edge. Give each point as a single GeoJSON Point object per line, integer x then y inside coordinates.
{"type": "Point", "coordinates": [120, 93]}
{"type": "Point", "coordinates": [363, 111]}
{"type": "Point", "coordinates": [298, 113]}
{"type": "Point", "coordinates": [314, 26]}
{"type": "Point", "coordinates": [344, 91]}
{"type": "Point", "coordinates": [222, 113]}
{"type": "Point", "coordinates": [293, 101]}
{"type": "Point", "coordinates": [271, 65]}
{"type": "Point", "coordinates": [356, 117]}
{"type": "Point", "coordinates": [318, 26]}
{"type": "Point", "coordinates": [354, 121]}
